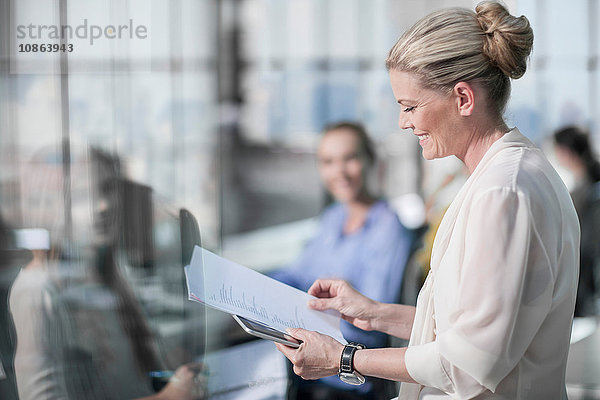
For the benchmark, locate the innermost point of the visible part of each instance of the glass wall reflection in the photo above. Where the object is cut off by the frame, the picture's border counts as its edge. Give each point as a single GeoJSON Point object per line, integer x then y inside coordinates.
{"type": "Point", "coordinates": [108, 160]}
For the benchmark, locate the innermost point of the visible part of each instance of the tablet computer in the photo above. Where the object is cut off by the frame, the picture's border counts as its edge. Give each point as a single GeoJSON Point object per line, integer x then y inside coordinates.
{"type": "Point", "coordinates": [266, 332]}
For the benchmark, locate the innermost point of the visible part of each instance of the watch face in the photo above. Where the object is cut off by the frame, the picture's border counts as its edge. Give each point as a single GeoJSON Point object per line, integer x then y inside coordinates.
{"type": "Point", "coordinates": [353, 379]}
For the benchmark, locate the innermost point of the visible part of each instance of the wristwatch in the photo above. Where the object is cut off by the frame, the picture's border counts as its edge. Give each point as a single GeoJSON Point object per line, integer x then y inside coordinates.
{"type": "Point", "coordinates": [347, 373]}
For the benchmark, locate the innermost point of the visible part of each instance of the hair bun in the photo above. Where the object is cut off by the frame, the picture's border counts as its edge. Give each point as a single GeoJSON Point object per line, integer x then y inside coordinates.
{"type": "Point", "coordinates": [507, 40]}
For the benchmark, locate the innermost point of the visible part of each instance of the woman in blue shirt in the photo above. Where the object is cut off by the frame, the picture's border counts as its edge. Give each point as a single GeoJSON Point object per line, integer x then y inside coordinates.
{"type": "Point", "coordinates": [360, 239]}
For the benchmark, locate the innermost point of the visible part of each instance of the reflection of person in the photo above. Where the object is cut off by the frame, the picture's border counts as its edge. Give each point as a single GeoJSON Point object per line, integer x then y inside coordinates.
{"type": "Point", "coordinates": [493, 318]}
{"type": "Point", "coordinates": [10, 261]}
{"type": "Point", "coordinates": [80, 331]}
{"type": "Point", "coordinates": [574, 151]}
{"type": "Point", "coordinates": [360, 239]}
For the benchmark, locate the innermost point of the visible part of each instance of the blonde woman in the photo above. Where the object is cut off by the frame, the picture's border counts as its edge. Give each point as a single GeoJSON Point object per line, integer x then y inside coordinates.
{"type": "Point", "coordinates": [494, 315]}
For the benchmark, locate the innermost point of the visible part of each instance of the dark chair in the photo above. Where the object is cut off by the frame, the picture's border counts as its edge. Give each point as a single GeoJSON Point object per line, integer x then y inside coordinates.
{"type": "Point", "coordinates": [190, 235]}
{"type": "Point", "coordinates": [412, 279]}
{"type": "Point", "coordinates": [11, 261]}
{"type": "Point", "coordinates": [194, 312]}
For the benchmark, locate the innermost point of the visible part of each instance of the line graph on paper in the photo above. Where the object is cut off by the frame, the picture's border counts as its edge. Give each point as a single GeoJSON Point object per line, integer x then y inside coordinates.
{"type": "Point", "coordinates": [235, 289]}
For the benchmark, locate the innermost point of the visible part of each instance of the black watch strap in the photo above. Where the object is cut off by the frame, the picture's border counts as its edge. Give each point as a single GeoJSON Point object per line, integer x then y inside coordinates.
{"type": "Point", "coordinates": [347, 361]}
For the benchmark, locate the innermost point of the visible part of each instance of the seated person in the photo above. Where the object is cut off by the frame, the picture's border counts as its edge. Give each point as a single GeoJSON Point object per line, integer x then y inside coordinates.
{"type": "Point", "coordinates": [574, 151]}
{"type": "Point", "coordinates": [81, 333]}
{"type": "Point", "coordinates": [359, 239]}
{"type": "Point", "coordinates": [11, 259]}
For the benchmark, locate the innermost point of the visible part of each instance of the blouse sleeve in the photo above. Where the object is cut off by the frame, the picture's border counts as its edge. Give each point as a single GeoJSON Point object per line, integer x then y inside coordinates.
{"type": "Point", "coordinates": [501, 296]}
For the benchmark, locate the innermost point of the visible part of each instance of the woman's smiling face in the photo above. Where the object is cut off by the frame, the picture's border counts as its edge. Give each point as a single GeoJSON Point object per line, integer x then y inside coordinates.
{"type": "Point", "coordinates": [432, 116]}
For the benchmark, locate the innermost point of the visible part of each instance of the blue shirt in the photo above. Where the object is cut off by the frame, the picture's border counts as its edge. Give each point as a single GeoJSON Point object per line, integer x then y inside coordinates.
{"type": "Point", "coordinates": [371, 259]}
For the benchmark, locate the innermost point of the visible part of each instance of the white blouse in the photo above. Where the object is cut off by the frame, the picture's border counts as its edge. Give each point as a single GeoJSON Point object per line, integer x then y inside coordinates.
{"type": "Point", "coordinates": [494, 316]}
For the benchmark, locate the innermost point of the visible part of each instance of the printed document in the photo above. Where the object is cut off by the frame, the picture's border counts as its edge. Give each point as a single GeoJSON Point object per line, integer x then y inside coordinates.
{"type": "Point", "coordinates": [235, 289]}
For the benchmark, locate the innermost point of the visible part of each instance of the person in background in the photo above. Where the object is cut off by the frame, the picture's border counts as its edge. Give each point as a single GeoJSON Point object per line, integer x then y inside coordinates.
{"type": "Point", "coordinates": [493, 318]}
{"type": "Point", "coordinates": [11, 260]}
{"type": "Point", "coordinates": [360, 239]}
{"type": "Point", "coordinates": [574, 151]}
{"type": "Point", "coordinates": [81, 332]}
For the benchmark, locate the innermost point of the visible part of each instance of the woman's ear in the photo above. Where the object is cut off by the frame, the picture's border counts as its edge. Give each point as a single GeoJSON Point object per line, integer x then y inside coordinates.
{"type": "Point", "coordinates": [464, 94]}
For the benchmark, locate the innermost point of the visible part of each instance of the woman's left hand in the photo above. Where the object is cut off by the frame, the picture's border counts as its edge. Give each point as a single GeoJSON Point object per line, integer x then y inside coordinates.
{"type": "Point", "coordinates": [318, 355]}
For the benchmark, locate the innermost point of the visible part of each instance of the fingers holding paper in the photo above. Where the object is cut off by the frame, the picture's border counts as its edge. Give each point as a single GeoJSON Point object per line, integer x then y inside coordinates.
{"type": "Point", "coordinates": [339, 295]}
{"type": "Point", "coordinates": [318, 355]}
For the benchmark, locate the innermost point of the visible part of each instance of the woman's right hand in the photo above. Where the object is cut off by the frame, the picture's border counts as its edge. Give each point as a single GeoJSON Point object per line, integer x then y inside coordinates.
{"type": "Point", "coordinates": [336, 294]}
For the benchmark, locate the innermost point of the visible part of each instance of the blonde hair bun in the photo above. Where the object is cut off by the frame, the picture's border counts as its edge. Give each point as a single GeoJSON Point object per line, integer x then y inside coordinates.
{"type": "Point", "coordinates": [508, 39]}
{"type": "Point", "coordinates": [451, 45]}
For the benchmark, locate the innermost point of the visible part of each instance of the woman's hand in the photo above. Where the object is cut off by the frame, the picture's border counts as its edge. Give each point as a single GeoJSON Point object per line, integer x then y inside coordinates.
{"type": "Point", "coordinates": [318, 355]}
{"type": "Point", "coordinates": [188, 383]}
{"type": "Point", "coordinates": [339, 295]}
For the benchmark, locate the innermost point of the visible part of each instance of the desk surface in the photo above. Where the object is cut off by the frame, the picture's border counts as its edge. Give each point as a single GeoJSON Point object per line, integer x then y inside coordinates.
{"type": "Point", "coordinates": [250, 371]}
{"type": "Point", "coordinates": [256, 370]}
{"type": "Point", "coordinates": [583, 366]}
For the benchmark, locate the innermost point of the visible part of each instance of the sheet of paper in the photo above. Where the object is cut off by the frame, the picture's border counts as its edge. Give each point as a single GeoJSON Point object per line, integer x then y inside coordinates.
{"type": "Point", "coordinates": [235, 289]}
